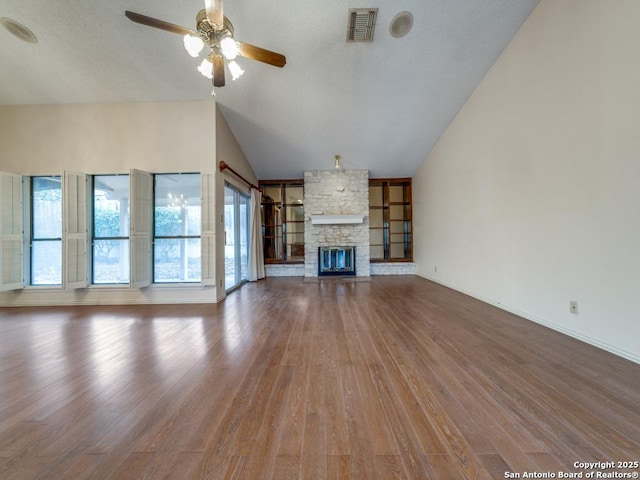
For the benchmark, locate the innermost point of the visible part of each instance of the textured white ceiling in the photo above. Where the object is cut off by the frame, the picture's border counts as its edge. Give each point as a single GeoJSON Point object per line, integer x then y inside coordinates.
{"type": "Point", "coordinates": [382, 105]}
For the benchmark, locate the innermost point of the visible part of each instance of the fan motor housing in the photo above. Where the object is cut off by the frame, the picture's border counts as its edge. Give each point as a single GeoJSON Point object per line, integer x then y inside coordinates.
{"type": "Point", "coordinates": [209, 30]}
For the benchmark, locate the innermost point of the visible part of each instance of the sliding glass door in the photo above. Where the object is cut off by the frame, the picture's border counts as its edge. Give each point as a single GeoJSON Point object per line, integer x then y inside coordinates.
{"type": "Point", "coordinates": [236, 237]}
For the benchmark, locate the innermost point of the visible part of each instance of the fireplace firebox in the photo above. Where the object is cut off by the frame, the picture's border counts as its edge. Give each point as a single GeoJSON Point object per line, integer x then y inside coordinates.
{"type": "Point", "coordinates": [336, 261]}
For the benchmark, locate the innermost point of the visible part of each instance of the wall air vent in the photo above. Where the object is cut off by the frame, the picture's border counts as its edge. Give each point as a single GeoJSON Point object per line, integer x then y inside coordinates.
{"type": "Point", "coordinates": [362, 22]}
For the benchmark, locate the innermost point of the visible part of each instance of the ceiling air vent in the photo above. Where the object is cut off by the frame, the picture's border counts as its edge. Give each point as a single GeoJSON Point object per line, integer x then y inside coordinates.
{"type": "Point", "coordinates": [401, 24]}
{"type": "Point", "coordinates": [362, 21]}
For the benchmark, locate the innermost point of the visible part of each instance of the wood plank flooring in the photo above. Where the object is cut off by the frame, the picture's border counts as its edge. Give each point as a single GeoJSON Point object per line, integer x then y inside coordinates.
{"type": "Point", "coordinates": [396, 378]}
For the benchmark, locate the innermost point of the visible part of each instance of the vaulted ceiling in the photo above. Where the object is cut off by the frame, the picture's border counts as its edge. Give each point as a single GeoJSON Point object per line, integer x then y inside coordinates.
{"type": "Point", "coordinates": [381, 105]}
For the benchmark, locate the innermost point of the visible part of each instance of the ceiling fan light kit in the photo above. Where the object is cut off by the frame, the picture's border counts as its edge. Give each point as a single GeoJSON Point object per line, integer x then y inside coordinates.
{"type": "Point", "coordinates": [214, 30]}
{"type": "Point", "coordinates": [193, 45]}
{"type": "Point", "coordinates": [206, 68]}
{"type": "Point", "coordinates": [235, 69]}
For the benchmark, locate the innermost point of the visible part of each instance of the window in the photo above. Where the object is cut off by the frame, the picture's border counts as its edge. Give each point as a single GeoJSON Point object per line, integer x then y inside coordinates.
{"type": "Point", "coordinates": [236, 236]}
{"type": "Point", "coordinates": [46, 230]}
{"type": "Point", "coordinates": [390, 232]}
{"type": "Point", "coordinates": [283, 221]}
{"type": "Point", "coordinates": [110, 242]}
{"type": "Point", "coordinates": [177, 228]}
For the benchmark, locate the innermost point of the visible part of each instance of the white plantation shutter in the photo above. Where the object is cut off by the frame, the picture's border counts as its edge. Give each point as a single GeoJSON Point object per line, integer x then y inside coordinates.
{"type": "Point", "coordinates": [74, 237]}
{"type": "Point", "coordinates": [10, 232]}
{"type": "Point", "coordinates": [208, 222]}
{"type": "Point", "coordinates": [141, 227]}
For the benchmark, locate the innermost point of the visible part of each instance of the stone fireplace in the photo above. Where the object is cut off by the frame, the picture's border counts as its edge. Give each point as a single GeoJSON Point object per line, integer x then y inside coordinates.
{"type": "Point", "coordinates": [336, 204]}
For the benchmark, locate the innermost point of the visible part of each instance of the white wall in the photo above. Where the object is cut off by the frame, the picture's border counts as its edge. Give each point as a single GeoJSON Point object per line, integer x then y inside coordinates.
{"type": "Point", "coordinates": [531, 198]}
{"type": "Point", "coordinates": [108, 138]}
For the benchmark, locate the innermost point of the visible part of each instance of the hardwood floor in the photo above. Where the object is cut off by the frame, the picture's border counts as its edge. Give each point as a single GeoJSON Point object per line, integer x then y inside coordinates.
{"type": "Point", "coordinates": [393, 378]}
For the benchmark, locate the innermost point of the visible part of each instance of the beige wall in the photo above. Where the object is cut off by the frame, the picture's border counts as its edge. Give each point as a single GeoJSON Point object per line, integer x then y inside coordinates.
{"type": "Point", "coordinates": [229, 150]}
{"type": "Point", "coordinates": [531, 199]}
{"type": "Point", "coordinates": [109, 138]}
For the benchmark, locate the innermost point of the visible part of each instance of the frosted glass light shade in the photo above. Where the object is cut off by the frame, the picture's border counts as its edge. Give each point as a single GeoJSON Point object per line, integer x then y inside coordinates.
{"type": "Point", "coordinates": [229, 48]}
{"type": "Point", "coordinates": [193, 45]}
{"type": "Point", "coordinates": [235, 69]}
{"type": "Point", "coordinates": [206, 68]}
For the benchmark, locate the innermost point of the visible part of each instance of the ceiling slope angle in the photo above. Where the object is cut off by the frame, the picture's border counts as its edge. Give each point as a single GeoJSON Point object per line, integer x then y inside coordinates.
{"type": "Point", "coordinates": [382, 104]}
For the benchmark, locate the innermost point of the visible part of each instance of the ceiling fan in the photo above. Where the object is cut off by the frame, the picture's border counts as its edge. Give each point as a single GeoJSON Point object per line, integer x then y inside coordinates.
{"type": "Point", "coordinates": [214, 30]}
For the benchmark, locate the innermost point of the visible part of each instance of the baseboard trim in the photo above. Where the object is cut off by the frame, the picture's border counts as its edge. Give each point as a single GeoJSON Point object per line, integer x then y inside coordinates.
{"type": "Point", "coordinates": [534, 318]}
{"type": "Point", "coordinates": [154, 295]}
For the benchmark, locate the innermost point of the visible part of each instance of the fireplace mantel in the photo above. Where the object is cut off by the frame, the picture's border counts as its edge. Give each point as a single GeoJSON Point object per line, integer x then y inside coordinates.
{"type": "Point", "coordinates": [336, 219]}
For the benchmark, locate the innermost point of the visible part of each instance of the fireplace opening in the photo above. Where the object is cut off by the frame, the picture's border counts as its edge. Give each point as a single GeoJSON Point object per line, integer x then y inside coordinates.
{"type": "Point", "coordinates": [336, 261]}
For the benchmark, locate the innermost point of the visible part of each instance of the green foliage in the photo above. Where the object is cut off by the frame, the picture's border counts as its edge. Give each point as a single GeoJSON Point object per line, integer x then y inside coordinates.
{"type": "Point", "coordinates": [106, 223]}
{"type": "Point", "coordinates": [167, 224]}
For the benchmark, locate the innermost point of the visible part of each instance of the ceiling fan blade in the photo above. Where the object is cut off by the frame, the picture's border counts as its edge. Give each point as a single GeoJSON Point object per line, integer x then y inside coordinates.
{"type": "Point", "coordinates": [154, 22]}
{"type": "Point", "coordinates": [214, 11]}
{"type": "Point", "coordinates": [261, 55]}
{"type": "Point", "coordinates": [218, 71]}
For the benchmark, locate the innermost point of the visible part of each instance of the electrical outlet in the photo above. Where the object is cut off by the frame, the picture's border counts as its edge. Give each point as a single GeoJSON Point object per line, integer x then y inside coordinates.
{"type": "Point", "coordinates": [573, 307]}
{"type": "Point", "coordinates": [435, 269]}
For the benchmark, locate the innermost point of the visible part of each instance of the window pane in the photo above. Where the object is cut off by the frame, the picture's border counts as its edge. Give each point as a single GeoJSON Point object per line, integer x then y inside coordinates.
{"type": "Point", "coordinates": [111, 206]}
{"type": "Point", "coordinates": [294, 194]}
{"type": "Point", "coordinates": [110, 219]}
{"type": "Point", "coordinates": [272, 232]}
{"type": "Point", "coordinates": [375, 195]}
{"type": "Point", "coordinates": [396, 212]}
{"type": "Point", "coordinates": [376, 252]}
{"type": "Point", "coordinates": [177, 221]}
{"type": "Point", "coordinates": [376, 236]}
{"type": "Point", "coordinates": [396, 193]}
{"type": "Point", "coordinates": [397, 250]}
{"type": "Point", "coordinates": [271, 194]}
{"type": "Point", "coordinates": [396, 227]}
{"type": "Point", "coordinates": [177, 205]}
{"type": "Point", "coordinates": [375, 218]}
{"type": "Point", "coordinates": [295, 214]}
{"type": "Point", "coordinates": [46, 262]}
{"type": "Point", "coordinates": [397, 238]}
{"type": "Point", "coordinates": [295, 238]}
{"type": "Point", "coordinates": [111, 261]}
{"type": "Point", "coordinates": [273, 248]}
{"type": "Point", "coordinates": [176, 214]}
{"type": "Point", "coordinates": [295, 252]}
{"type": "Point", "coordinates": [168, 222]}
{"type": "Point", "coordinates": [46, 206]}
{"type": "Point", "coordinates": [271, 215]}
{"type": "Point", "coordinates": [245, 210]}
{"type": "Point", "coordinates": [176, 260]}
{"type": "Point", "coordinates": [295, 227]}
